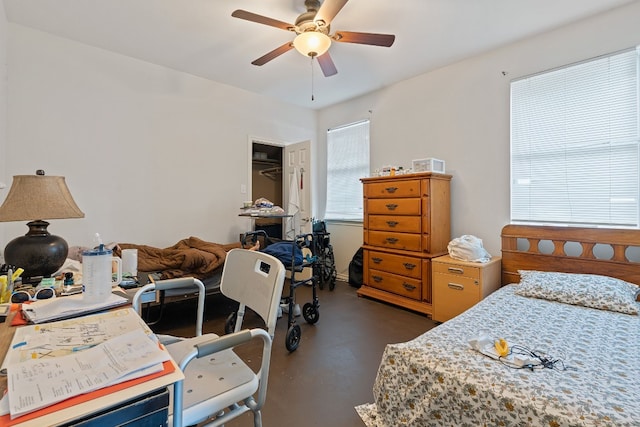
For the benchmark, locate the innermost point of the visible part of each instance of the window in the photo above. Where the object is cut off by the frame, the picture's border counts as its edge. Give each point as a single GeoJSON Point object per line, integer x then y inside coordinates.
{"type": "Point", "coordinates": [574, 144]}
{"type": "Point", "coordinates": [347, 162]}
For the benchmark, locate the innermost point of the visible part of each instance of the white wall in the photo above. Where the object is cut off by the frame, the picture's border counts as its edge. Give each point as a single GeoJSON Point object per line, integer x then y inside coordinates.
{"type": "Point", "coordinates": [150, 155]}
{"type": "Point", "coordinates": [460, 114]}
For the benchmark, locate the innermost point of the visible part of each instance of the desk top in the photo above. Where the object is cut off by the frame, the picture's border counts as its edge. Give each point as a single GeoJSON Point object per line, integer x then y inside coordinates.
{"type": "Point", "coordinates": [89, 403]}
{"type": "Point", "coordinates": [6, 335]}
{"type": "Point", "coordinates": [264, 215]}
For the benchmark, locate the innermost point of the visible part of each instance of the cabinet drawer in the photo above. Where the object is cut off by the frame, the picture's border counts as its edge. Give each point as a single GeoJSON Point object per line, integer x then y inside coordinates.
{"type": "Point", "coordinates": [402, 224]}
{"type": "Point", "coordinates": [457, 270]}
{"type": "Point", "coordinates": [409, 188]}
{"type": "Point", "coordinates": [453, 294]}
{"type": "Point", "coordinates": [394, 283]}
{"type": "Point", "coordinates": [405, 266]}
{"type": "Point", "coordinates": [403, 241]}
{"type": "Point", "coordinates": [393, 206]}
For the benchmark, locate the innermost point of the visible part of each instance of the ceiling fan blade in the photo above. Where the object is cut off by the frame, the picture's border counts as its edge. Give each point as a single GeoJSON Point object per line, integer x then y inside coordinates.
{"type": "Point", "coordinates": [364, 38]}
{"type": "Point", "coordinates": [273, 54]}
{"type": "Point", "coordinates": [326, 65]}
{"type": "Point", "coordinates": [328, 10]}
{"type": "Point", "coordinates": [253, 17]}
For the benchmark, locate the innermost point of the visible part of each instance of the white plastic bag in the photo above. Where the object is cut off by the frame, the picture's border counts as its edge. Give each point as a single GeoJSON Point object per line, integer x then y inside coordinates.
{"type": "Point", "coordinates": [468, 248]}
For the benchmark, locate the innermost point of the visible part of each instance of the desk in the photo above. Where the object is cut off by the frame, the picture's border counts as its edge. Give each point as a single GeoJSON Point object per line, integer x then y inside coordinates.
{"type": "Point", "coordinates": [130, 400]}
{"type": "Point", "coordinates": [254, 214]}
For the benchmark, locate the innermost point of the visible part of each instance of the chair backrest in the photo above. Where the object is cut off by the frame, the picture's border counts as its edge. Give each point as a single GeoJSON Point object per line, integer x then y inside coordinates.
{"type": "Point", "coordinates": [254, 279]}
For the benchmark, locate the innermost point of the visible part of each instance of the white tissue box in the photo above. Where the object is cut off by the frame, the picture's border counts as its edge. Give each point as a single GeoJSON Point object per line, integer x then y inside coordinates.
{"type": "Point", "coordinates": [428, 165]}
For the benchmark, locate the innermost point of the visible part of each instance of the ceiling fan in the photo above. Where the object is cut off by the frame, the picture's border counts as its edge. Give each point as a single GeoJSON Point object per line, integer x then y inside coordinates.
{"type": "Point", "coordinates": [313, 33]}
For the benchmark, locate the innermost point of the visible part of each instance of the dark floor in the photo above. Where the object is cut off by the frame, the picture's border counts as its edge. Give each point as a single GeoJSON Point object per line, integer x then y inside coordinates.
{"type": "Point", "coordinates": [335, 365]}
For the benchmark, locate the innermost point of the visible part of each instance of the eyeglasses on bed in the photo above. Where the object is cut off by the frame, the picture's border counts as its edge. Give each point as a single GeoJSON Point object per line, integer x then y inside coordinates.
{"type": "Point", "coordinates": [21, 296]}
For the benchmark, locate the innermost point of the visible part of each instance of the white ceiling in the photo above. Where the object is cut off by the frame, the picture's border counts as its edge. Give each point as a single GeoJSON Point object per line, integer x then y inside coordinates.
{"type": "Point", "coordinates": [201, 38]}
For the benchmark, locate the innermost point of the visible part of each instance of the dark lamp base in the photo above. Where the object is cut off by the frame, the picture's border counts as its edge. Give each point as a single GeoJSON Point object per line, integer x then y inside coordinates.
{"type": "Point", "coordinates": [38, 252]}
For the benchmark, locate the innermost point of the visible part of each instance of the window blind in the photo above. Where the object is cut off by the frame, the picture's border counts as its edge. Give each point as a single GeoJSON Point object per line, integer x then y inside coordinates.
{"type": "Point", "coordinates": [347, 162]}
{"type": "Point", "coordinates": [574, 144]}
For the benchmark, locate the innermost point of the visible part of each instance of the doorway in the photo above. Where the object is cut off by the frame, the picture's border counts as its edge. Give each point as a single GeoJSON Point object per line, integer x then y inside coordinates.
{"type": "Point", "coordinates": [277, 169]}
{"type": "Point", "coordinates": [267, 183]}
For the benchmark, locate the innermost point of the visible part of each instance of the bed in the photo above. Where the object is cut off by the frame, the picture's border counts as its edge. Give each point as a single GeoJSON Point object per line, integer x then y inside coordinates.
{"type": "Point", "coordinates": [189, 257]}
{"type": "Point", "coordinates": [192, 257]}
{"type": "Point", "coordinates": [438, 379]}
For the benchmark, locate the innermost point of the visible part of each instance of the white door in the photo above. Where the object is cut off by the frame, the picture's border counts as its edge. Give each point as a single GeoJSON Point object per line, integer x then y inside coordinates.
{"type": "Point", "coordinates": [297, 190]}
{"type": "Point", "coordinates": [297, 187]}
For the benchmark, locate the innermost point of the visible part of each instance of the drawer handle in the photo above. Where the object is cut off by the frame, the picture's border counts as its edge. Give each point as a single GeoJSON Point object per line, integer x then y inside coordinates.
{"type": "Point", "coordinates": [455, 270]}
{"type": "Point", "coordinates": [376, 260]}
{"type": "Point", "coordinates": [409, 266]}
{"type": "Point", "coordinates": [391, 189]}
{"type": "Point", "coordinates": [392, 240]}
{"type": "Point", "coordinates": [391, 206]}
{"type": "Point", "coordinates": [456, 286]}
{"type": "Point", "coordinates": [392, 223]}
{"type": "Point", "coordinates": [408, 286]}
{"type": "Point", "coordinates": [377, 279]}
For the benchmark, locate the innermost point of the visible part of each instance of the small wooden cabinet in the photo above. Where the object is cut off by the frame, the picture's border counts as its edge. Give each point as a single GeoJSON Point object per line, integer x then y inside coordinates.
{"type": "Point", "coordinates": [406, 223]}
{"type": "Point", "coordinates": [458, 285]}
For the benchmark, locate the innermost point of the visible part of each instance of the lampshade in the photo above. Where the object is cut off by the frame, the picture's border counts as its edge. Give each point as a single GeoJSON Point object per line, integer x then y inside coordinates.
{"type": "Point", "coordinates": [312, 43]}
{"type": "Point", "coordinates": [35, 198]}
{"type": "Point", "coordinates": [38, 197]}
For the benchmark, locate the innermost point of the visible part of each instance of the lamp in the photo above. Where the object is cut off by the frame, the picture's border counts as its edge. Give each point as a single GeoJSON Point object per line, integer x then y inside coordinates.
{"type": "Point", "coordinates": [34, 198]}
{"type": "Point", "coordinates": [312, 43]}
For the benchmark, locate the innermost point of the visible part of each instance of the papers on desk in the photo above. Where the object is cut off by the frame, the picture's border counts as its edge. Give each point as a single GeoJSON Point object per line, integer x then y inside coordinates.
{"type": "Point", "coordinates": [63, 308]}
{"type": "Point", "coordinates": [64, 337]}
{"type": "Point", "coordinates": [43, 345]}
{"type": "Point", "coordinates": [37, 383]}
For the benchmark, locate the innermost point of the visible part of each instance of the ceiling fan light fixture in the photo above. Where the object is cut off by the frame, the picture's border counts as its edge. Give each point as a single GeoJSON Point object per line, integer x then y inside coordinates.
{"type": "Point", "coordinates": [312, 43]}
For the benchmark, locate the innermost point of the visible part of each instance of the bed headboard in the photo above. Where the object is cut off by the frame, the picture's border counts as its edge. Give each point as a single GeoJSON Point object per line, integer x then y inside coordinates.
{"type": "Point", "coordinates": [521, 250]}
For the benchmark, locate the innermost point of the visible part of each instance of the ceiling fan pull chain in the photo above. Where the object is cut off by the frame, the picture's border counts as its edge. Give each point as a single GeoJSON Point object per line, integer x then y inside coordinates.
{"type": "Point", "coordinates": [312, 98]}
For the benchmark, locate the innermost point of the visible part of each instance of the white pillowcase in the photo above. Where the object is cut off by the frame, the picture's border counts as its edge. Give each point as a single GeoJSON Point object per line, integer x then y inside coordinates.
{"type": "Point", "coordinates": [588, 290]}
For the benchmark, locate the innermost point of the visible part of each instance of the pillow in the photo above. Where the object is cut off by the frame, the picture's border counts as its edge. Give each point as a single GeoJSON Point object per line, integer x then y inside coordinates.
{"type": "Point", "coordinates": [588, 290]}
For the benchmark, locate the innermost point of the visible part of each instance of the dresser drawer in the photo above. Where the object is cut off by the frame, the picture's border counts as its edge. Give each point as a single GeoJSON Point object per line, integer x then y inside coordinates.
{"type": "Point", "coordinates": [456, 270]}
{"type": "Point", "coordinates": [453, 294]}
{"type": "Point", "coordinates": [397, 264]}
{"type": "Point", "coordinates": [394, 283]}
{"type": "Point", "coordinates": [402, 241]}
{"type": "Point", "coordinates": [400, 223]}
{"type": "Point", "coordinates": [408, 188]}
{"type": "Point", "coordinates": [393, 206]}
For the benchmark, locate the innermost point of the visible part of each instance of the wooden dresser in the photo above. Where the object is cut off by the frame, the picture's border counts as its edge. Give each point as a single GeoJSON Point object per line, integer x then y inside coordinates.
{"type": "Point", "coordinates": [407, 222]}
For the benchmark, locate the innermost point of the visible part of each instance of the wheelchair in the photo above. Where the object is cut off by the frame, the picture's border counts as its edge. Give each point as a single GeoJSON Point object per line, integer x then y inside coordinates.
{"type": "Point", "coordinates": [325, 266]}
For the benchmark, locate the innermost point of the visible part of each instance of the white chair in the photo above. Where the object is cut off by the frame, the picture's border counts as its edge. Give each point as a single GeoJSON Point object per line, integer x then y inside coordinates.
{"type": "Point", "coordinates": [218, 385]}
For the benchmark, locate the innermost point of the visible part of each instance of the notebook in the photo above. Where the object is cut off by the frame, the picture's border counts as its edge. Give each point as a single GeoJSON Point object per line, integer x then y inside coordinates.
{"type": "Point", "coordinates": [66, 307]}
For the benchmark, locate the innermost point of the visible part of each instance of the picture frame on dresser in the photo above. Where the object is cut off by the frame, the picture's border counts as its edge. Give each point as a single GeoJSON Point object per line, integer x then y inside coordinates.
{"type": "Point", "coordinates": [407, 222]}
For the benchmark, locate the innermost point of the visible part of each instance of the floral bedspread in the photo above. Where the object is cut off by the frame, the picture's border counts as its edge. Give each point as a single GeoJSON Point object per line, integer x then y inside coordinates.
{"type": "Point", "coordinates": [437, 379]}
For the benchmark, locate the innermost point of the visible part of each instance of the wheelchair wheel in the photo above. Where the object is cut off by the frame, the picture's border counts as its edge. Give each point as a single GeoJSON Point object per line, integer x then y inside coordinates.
{"type": "Point", "coordinates": [293, 337]}
{"type": "Point", "coordinates": [329, 270]}
{"type": "Point", "coordinates": [310, 313]}
{"type": "Point", "coordinates": [230, 323]}
{"type": "Point", "coordinates": [332, 282]}
{"type": "Point", "coordinates": [318, 272]}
